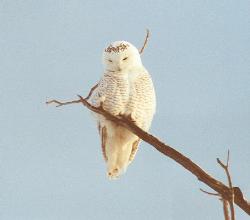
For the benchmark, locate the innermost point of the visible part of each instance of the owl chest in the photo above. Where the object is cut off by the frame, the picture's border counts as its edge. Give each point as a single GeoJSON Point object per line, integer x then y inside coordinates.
{"type": "Point", "coordinates": [120, 95]}
{"type": "Point", "coordinates": [124, 91]}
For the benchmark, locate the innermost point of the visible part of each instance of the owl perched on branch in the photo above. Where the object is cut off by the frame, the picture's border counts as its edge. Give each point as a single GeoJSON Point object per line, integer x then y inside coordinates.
{"type": "Point", "coordinates": [125, 89]}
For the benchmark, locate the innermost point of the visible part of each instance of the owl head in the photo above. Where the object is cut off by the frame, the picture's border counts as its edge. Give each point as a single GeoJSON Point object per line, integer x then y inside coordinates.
{"type": "Point", "coordinates": [120, 56]}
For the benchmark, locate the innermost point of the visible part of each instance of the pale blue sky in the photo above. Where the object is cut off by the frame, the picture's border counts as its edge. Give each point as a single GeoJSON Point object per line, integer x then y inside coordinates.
{"type": "Point", "coordinates": [51, 167]}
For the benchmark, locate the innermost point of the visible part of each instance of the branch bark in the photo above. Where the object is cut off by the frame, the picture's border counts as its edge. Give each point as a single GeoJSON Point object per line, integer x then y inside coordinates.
{"type": "Point", "coordinates": [225, 209]}
{"type": "Point", "coordinates": [165, 149]}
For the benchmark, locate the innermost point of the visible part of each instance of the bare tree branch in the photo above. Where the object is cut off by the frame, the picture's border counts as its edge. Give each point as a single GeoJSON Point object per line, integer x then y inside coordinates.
{"type": "Point", "coordinates": [91, 91]}
{"type": "Point", "coordinates": [225, 209]}
{"type": "Point", "coordinates": [224, 201]}
{"type": "Point", "coordinates": [231, 198]}
{"type": "Point", "coordinates": [145, 42]}
{"type": "Point", "coordinates": [72, 102]}
{"type": "Point", "coordinates": [188, 164]}
{"type": "Point", "coordinates": [62, 103]}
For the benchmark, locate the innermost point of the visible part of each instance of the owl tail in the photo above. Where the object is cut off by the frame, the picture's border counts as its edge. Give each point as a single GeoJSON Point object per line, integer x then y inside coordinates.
{"type": "Point", "coordinates": [120, 149]}
{"type": "Point", "coordinates": [119, 160]}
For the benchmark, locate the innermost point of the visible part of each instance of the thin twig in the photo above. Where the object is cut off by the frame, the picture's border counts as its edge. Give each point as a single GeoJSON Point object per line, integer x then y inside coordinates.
{"type": "Point", "coordinates": [189, 165]}
{"type": "Point", "coordinates": [231, 198]}
{"type": "Point", "coordinates": [224, 202]}
{"type": "Point", "coordinates": [145, 42]}
{"type": "Point", "coordinates": [62, 103]}
{"type": "Point", "coordinates": [72, 102]}
{"type": "Point", "coordinates": [228, 156]}
{"type": "Point", "coordinates": [91, 91]}
{"type": "Point", "coordinates": [209, 193]}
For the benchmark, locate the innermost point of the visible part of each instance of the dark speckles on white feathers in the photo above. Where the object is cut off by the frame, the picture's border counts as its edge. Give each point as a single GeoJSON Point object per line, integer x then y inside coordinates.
{"type": "Point", "coordinates": [128, 95]}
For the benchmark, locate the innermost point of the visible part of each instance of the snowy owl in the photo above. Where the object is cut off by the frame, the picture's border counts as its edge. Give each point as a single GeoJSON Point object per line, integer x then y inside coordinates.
{"type": "Point", "coordinates": [125, 88]}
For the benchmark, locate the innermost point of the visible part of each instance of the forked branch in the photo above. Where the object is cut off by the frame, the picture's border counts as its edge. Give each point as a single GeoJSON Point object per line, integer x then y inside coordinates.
{"type": "Point", "coordinates": [231, 195]}
{"type": "Point", "coordinates": [188, 164]}
{"type": "Point", "coordinates": [224, 202]}
{"type": "Point", "coordinates": [62, 103]}
{"type": "Point", "coordinates": [74, 101]}
{"type": "Point", "coordinates": [230, 201]}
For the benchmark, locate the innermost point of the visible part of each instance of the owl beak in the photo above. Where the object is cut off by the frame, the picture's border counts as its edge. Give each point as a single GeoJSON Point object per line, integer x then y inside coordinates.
{"type": "Point", "coordinates": [119, 68]}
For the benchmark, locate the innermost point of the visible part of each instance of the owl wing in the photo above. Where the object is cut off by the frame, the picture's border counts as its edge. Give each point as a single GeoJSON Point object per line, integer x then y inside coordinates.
{"type": "Point", "coordinates": [106, 92]}
{"type": "Point", "coordinates": [103, 134]}
{"type": "Point", "coordinates": [134, 150]}
{"type": "Point", "coordinates": [142, 101]}
{"type": "Point", "coordinates": [142, 104]}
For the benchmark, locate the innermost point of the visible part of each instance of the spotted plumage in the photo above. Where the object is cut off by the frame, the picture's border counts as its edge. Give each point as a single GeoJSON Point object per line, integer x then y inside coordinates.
{"type": "Point", "coordinates": [125, 89]}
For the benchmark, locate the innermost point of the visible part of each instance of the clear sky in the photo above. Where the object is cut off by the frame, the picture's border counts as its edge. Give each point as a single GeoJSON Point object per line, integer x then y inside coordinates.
{"type": "Point", "coordinates": [51, 166]}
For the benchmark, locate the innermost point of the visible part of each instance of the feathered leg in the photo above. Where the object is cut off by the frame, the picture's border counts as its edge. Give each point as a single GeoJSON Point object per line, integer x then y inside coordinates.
{"type": "Point", "coordinates": [119, 147]}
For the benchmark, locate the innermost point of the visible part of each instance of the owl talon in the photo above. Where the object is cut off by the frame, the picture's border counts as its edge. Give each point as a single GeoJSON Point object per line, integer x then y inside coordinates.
{"type": "Point", "coordinates": [113, 174]}
{"type": "Point", "coordinates": [128, 117]}
{"type": "Point", "coordinates": [121, 115]}
{"type": "Point", "coordinates": [101, 106]}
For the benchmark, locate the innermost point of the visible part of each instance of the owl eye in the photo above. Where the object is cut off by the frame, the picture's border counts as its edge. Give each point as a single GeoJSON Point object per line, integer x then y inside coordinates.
{"type": "Point", "coordinates": [110, 61]}
{"type": "Point", "coordinates": [125, 58]}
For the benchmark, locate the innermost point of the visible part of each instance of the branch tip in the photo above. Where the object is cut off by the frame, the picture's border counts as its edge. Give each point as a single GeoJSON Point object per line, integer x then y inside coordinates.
{"type": "Point", "coordinates": [145, 41]}
{"type": "Point", "coordinates": [210, 193]}
{"type": "Point", "coordinates": [228, 155]}
{"type": "Point", "coordinates": [79, 96]}
{"type": "Point", "coordinates": [231, 189]}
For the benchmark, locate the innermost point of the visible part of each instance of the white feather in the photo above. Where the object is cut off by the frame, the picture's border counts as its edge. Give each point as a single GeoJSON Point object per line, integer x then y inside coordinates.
{"type": "Point", "coordinates": [125, 88]}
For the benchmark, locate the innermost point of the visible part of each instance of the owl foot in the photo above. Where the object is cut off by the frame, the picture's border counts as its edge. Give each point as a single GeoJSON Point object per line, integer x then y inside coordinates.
{"type": "Point", "coordinates": [113, 174]}
{"type": "Point", "coordinates": [129, 117]}
{"type": "Point", "coordinates": [101, 105]}
{"type": "Point", "coordinates": [101, 101]}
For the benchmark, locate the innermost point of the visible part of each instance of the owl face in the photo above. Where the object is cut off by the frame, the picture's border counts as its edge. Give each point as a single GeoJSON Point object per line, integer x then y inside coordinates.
{"type": "Point", "coordinates": [120, 56]}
